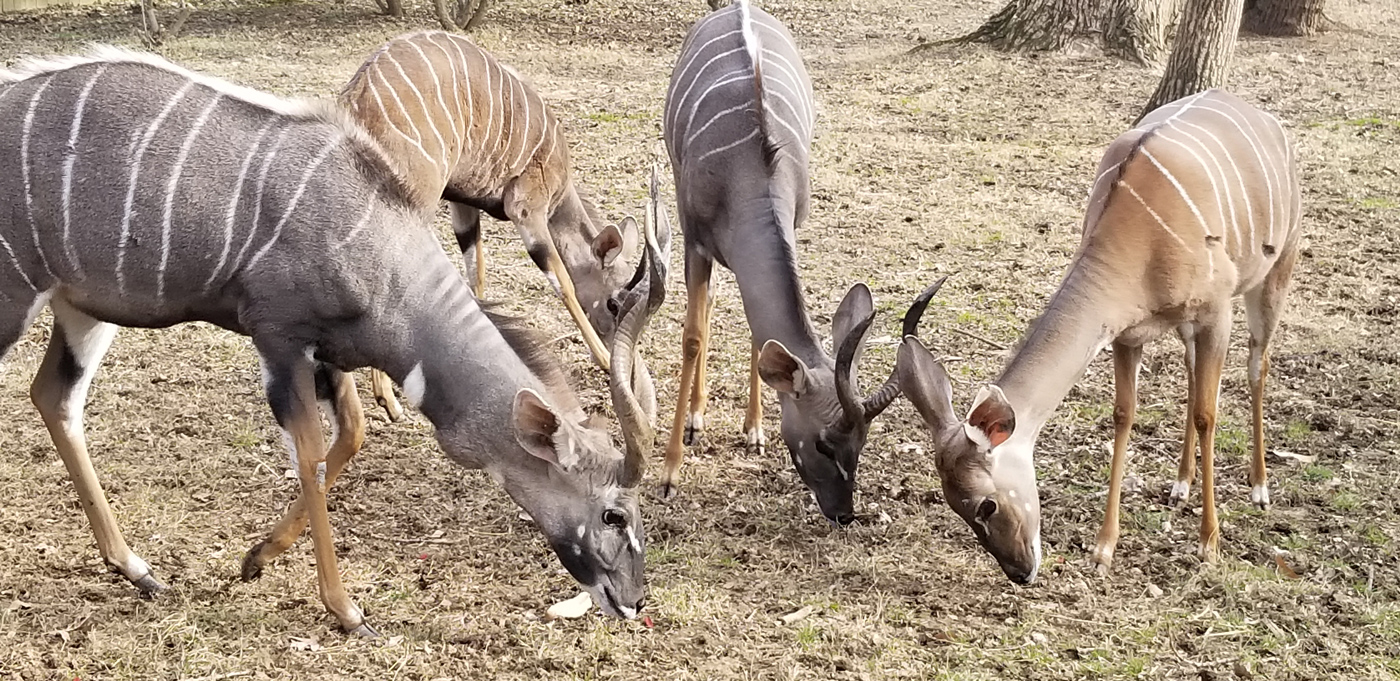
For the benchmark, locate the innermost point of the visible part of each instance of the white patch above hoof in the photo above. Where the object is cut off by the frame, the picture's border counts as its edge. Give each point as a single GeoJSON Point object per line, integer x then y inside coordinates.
{"type": "Point", "coordinates": [1180, 491]}
{"type": "Point", "coordinates": [1259, 494]}
{"type": "Point", "coordinates": [755, 438]}
{"type": "Point", "coordinates": [695, 421]}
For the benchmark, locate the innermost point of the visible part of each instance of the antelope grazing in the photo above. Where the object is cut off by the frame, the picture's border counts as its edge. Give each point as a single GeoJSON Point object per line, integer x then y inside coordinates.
{"type": "Point", "coordinates": [147, 195]}
{"type": "Point", "coordinates": [738, 124]}
{"type": "Point", "coordinates": [1196, 206]}
{"type": "Point", "coordinates": [466, 128]}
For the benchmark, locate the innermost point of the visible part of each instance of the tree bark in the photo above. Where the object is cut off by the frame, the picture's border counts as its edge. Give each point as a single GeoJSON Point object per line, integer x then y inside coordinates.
{"type": "Point", "coordinates": [393, 8]}
{"type": "Point", "coordinates": [1132, 29]}
{"type": "Point", "coordinates": [1284, 17]}
{"type": "Point", "coordinates": [1200, 58]}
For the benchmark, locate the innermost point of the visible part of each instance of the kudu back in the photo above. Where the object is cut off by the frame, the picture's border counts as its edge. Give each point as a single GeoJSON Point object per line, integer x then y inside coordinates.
{"type": "Point", "coordinates": [143, 194]}
{"type": "Point", "coordinates": [738, 127]}
{"type": "Point", "coordinates": [468, 129]}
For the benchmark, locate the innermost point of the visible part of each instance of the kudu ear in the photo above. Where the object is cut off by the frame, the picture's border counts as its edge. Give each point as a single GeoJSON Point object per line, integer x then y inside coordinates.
{"type": "Point", "coordinates": [781, 370]}
{"type": "Point", "coordinates": [923, 380]}
{"type": "Point", "coordinates": [611, 241]}
{"type": "Point", "coordinates": [536, 428]}
{"type": "Point", "coordinates": [992, 420]}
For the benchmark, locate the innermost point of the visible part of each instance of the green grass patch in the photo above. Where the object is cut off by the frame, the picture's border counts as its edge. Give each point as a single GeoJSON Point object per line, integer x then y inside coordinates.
{"type": "Point", "coordinates": [1345, 501]}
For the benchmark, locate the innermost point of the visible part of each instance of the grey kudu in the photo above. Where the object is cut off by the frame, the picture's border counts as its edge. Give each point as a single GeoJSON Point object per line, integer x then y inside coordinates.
{"type": "Point", "coordinates": [1196, 206]}
{"type": "Point", "coordinates": [464, 127]}
{"type": "Point", "coordinates": [146, 195]}
{"type": "Point", "coordinates": [738, 124]}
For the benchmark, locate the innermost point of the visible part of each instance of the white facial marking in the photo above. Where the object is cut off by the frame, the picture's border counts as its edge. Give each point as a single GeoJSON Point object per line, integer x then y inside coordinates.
{"type": "Point", "coordinates": [1026, 507]}
{"type": "Point", "coordinates": [842, 470]}
{"type": "Point", "coordinates": [1035, 553]}
{"type": "Point", "coordinates": [581, 531]}
{"type": "Point", "coordinates": [1012, 494]}
{"type": "Point", "coordinates": [629, 613]}
{"type": "Point", "coordinates": [414, 387]}
{"type": "Point", "coordinates": [632, 539]}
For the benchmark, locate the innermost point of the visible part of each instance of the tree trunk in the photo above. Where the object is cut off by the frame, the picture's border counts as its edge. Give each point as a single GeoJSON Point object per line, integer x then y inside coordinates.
{"type": "Point", "coordinates": [464, 15]}
{"type": "Point", "coordinates": [1284, 17]}
{"type": "Point", "coordinates": [1205, 43]}
{"type": "Point", "coordinates": [1133, 29]}
{"type": "Point", "coordinates": [393, 8]}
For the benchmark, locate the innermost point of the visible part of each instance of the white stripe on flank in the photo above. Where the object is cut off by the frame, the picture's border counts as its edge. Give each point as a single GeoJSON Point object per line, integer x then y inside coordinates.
{"type": "Point", "coordinates": [331, 144]}
{"type": "Point", "coordinates": [384, 112]}
{"type": "Point", "coordinates": [138, 155]}
{"type": "Point", "coordinates": [1153, 213]}
{"type": "Point", "coordinates": [675, 113]}
{"type": "Point", "coordinates": [70, 157]}
{"type": "Point", "coordinates": [24, 170]}
{"type": "Point", "coordinates": [437, 88]}
{"type": "Point", "coordinates": [726, 79]}
{"type": "Point", "coordinates": [721, 114]}
{"type": "Point", "coordinates": [1239, 178]}
{"type": "Point", "coordinates": [1093, 188]}
{"type": "Point", "coordinates": [468, 86]}
{"type": "Point", "coordinates": [422, 104]}
{"type": "Point", "coordinates": [363, 222]}
{"type": "Point", "coordinates": [524, 136]}
{"type": "Point", "coordinates": [15, 261]}
{"type": "Point", "coordinates": [801, 138]}
{"type": "Point", "coordinates": [1215, 188]}
{"type": "Point", "coordinates": [752, 134]}
{"type": "Point", "coordinates": [232, 211]}
{"type": "Point", "coordinates": [490, 105]}
{"type": "Point", "coordinates": [1273, 176]}
{"type": "Point", "coordinates": [508, 114]}
{"type": "Point", "coordinates": [257, 201]}
{"type": "Point", "coordinates": [544, 131]}
{"type": "Point", "coordinates": [1258, 156]}
{"type": "Point", "coordinates": [459, 132]}
{"type": "Point", "coordinates": [1179, 190]}
{"type": "Point", "coordinates": [169, 212]}
{"type": "Point", "coordinates": [799, 112]}
{"type": "Point", "coordinates": [790, 69]}
{"type": "Point", "coordinates": [681, 70]}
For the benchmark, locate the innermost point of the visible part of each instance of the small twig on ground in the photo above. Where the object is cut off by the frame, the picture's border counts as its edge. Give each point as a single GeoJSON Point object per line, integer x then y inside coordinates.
{"type": "Point", "coordinates": [218, 677]}
{"type": "Point", "coordinates": [406, 540]}
{"type": "Point", "coordinates": [973, 336]}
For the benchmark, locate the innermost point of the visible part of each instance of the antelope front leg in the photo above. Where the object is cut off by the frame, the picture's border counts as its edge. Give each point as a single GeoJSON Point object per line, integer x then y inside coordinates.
{"type": "Point", "coordinates": [700, 388]}
{"type": "Point", "coordinates": [1186, 467]}
{"type": "Point", "coordinates": [384, 394]}
{"type": "Point", "coordinates": [59, 391]}
{"type": "Point", "coordinates": [338, 389]}
{"type": "Point", "coordinates": [753, 416]}
{"type": "Point", "coordinates": [291, 392]}
{"type": "Point", "coordinates": [1126, 360]}
{"type": "Point", "coordinates": [697, 294]}
{"type": "Point", "coordinates": [1211, 346]}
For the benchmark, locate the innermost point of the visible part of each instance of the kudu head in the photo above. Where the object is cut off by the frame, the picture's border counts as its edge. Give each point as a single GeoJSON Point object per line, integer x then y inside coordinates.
{"type": "Point", "coordinates": [824, 421]}
{"type": "Point", "coordinates": [591, 517]}
{"type": "Point", "coordinates": [985, 482]}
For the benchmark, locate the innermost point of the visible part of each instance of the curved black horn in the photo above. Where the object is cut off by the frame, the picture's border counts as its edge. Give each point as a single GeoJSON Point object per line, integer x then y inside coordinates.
{"type": "Point", "coordinates": [916, 310]}
{"type": "Point", "coordinates": [882, 398]}
{"type": "Point", "coordinates": [845, 356]}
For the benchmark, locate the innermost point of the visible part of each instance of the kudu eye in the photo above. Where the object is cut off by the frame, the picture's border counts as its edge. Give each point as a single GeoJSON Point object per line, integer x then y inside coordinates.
{"type": "Point", "coordinates": [613, 306]}
{"type": "Point", "coordinates": [614, 518]}
{"type": "Point", "coordinates": [986, 509]}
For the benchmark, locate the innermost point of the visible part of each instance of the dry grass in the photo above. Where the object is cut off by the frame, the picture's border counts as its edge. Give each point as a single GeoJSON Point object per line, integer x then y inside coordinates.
{"type": "Point", "coordinates": [958, 159]}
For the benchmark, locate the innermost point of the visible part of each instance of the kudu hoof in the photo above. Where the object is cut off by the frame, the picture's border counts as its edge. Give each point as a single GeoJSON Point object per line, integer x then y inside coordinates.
{"type": "Point", "coordinates": [667, 491]}
{"type": "Point", "coordinates": [149, 586]}
{"type": "Point", "coordinates": [391, 408]}
{"type": "Point", "coordinates": [364, 631]}
{"type": "Point", "coordinates": [694, 426]}
{"type": "Point", "coordinates": [1259, 496]}
{"type": "Point", "coordinates": [252, 563]}
{"type": "Point", "coordinates": [1180, 491]}
{"type": "Point", "coordinates": [756, 442]}
{"type": "Point", "coordinates": [1102, 560]}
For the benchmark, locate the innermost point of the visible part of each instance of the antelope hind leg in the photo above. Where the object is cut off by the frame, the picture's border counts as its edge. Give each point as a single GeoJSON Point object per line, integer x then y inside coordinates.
{"type": "Point", "coordinates": [1186, 466]}
{"type": "Point", "coordinates": [336, 392]}
{"type": "Point", "coordinates": [59, 391]}
{"type": "Point", "coordinates": [700, 389]}
{"type": "Point", "coordinates": [1263, 307]}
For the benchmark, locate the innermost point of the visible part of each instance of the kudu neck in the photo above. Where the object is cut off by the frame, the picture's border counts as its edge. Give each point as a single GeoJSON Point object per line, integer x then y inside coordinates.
{"type": "Point", "coordinates": [762, 253]}
{"type": "Point", "coordinates": [1083, 316]}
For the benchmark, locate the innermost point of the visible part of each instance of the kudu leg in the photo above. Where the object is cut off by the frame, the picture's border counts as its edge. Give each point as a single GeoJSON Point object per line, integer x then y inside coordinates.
{"type": "Point", "coordinates": [59, 391]}
{"type": "Point", "coordinates": [1126, 361]}
{"type": "Point", "coordinates": [697, 283]}
{"type": "Point", "coordinates": [700, 388]}
{"type": "Point", "coordinates": [1263, 307]}
{"type": "Point", "coordinates": [753, 416]}
{"type": "Point", "coordinates": [291, 392]}
{"type": "Point", "coordinates": [383, 389]}
{"type": "Point", "coordinates": [466, 225]}
{"type": "Point", "coordinates": [337, 390]}
{"type": "Point", "coordinates": [1212, 341]}
{"type": "Point", "coordinates": [1186, 467]}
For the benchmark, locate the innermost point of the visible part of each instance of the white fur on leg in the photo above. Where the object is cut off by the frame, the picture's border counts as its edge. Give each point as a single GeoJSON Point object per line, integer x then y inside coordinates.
{"type": "Point", "coordinates": [1180, 490]}
{"type": "Point", "coordinates": [756, 439]}
{"type": "Point", "coordinates": [695, 421]}
{"type": "Point", "coordinates": [1259, 494]}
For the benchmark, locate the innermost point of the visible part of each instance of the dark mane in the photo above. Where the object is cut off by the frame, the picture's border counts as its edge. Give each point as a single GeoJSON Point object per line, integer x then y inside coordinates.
{"type": "Point", "coordinates": [532, 349]}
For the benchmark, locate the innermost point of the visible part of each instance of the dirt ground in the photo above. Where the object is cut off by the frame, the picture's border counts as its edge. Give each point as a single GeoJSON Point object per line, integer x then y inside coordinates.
{"type": "Point", "coordinates": [956, 159]}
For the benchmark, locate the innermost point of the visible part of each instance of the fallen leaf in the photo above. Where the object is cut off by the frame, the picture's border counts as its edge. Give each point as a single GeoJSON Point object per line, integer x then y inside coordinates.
{"type": "Point", "coordinates": [309, 645]}
{"type": "Point", "coordinates": [646, 621]}
{"type": "Point", "coordinates": [798, 615]}
{"type": "Point", "coordinates": [578, 606]}
{"type": "Point", "coordinates": [1283, 568]}
{"type": "Point", "coordinates": [1296, 458]}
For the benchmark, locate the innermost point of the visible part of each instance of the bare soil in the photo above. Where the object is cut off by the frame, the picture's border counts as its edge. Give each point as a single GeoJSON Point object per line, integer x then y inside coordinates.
{"type": "Point", "coordinates": [956, 159]}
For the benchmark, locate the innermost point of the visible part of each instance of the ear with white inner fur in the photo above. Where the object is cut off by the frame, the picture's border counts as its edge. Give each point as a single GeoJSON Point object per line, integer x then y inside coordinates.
{"type": "Point", "coordinates": [608, 245]}
{"type": "Point", "coordinates": [536, 427]}
{"type": "Point", "coordinates": [991, 417]}
{"type": "Point", "coordinates": [781, 370]}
